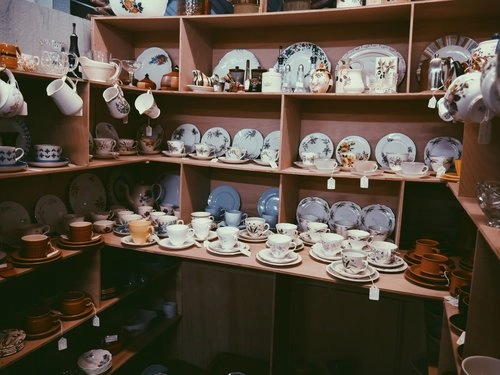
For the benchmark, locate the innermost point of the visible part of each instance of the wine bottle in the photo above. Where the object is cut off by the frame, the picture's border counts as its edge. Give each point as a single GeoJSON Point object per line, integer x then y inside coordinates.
{"type": "Point", "coordinates": [73, 48]}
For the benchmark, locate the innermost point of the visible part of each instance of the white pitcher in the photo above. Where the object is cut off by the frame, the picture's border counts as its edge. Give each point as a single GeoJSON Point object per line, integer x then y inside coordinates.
{"type": "Point", "coordinates": [11, 100]}
{"type": "Point", "coordinates": [349, 79]}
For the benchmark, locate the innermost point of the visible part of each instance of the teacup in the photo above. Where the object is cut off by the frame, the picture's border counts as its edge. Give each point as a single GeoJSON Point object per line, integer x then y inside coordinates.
{"type": "Point", "coordinates": [165, 221]}
{"type": "Point", "coordinates": [280, 245]}
{"type": "Point", "coordinates": [148, 145]}
{"type": "Point", "coordinates": [103, 226]}
{"type": "Point", "coordinates": [425, 245]}
{"type": "Point", "coordinates": [378, 233]}
{"type": "Point", "coordinates": [178, 234]}
{"type": "Point", "coordinates": [73, 302]}
{"type": "Point", "coordinates": [39, 319]}
{"type": "Point", "coordinates": [34, 246]}
{"type": "Point", "coordinates": [434, 264]}
{"type": "Point", "coordinates": [256, 226]}
{"type": "Point", "coordinates": [175, 146]}
{"type": "Point", "coordinates": [440, 163]}
{"type": "Point", "coordinates": [145, 211]}
{"type": "Point", "coordinates": [228, 237]}
{"type": "Point", "coordinates": [308, 157]}
{"type": "Point", "coordinates": [235, 153]}
{"type": "Point", "coordinates": [101, 215]}
{"type": "Point", "coordinates": [365, 166]}
{"type": "Point", "coordinates": [287, 228]}
{"type": "Point", "coordinates": [331, 243]}
{"type": "Point", "coordinates": [233, 218]}
{"type": "Point", "coordinates": [358, 239]}
{"type": "Point", "coordinates": [104, 146]}
{"type": "Point", "coordinates": [204, 149]}
{"type": "Point", "coordinates": [201, 228]}
{"type": "Point", "coordinates": [140, 230]}
{"type": "Point", "coordinates": [201, 214]}
{"type": "Point", "coordinates": [354, 261]}
{"type": "Point", "coordinates": [270, 219]}
{"type": "Point", "coordinates": [127, 218]}
{"type": "Point", "coordinates": [314, 230]}
{"type": "Point", "coordinates": [269, 155]}
{"type": "Point", "coordinates": [395, 160]}
{"type": "Point", "coordinates": [80, 231]}
{"type": "Point", "coordinates": [154, 215]}
{"type": "Point", "coordinates": [414, 168]}
{"type": "Point", "coordinates": [120, 215]}
{"type": "Point", "coordinates": [47, 152]}
{"type": "Point", "coordinates": [305, 219]}
{"type": "Point", "coordinates": [325, 164]}
{"type": "Point", "coordinates": [67, 219]}
{"type": "Point", "coordinates": [10, 155]}
{"type": "Point", "coordinates": [459, 278]}
{"type": "Point", "coordinates": [384, 252]}
{"type": "Point", "coordinates": [127, 145]}
{"type": "Point", "coordinates": [347, 159]}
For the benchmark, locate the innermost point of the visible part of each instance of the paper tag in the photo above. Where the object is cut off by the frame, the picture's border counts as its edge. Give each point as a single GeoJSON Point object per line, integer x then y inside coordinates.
{"type": "Point", "coordinates": [96, 321]}
{"type": "Point", "coordinates": [461, 339]}
{"type": "Point", "coordinates": [110, 338]}
{"type": "Point", "coordinates": [451, 300]}
{"type": "Point", "coordinates": [62, 344]}
{"type": "Point", "coordinates": [149, 131]}
{"type": "Point", "coordinates": [440, 171]}
{"type": "Point", "coordinates": [374, 294]}
{"type": "Point", "coordinates": [363, 182]}
{"type": "Point", "coordinates": [273, 164]}
{"type": "Point", "coordinates": [330, 185]}
{"type": "Point", "coordinates": [484, 135]}
{"type": "Point", "coordinates": [214, 160]}
{"type": "Point", "coordinates": [432, 102]}
{"type": "Point", "coordinates": [3, 265]}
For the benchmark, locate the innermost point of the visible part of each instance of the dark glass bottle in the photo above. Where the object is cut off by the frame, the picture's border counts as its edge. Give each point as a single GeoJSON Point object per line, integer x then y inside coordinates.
{"type": "Point", "coordinates": [73, 48]}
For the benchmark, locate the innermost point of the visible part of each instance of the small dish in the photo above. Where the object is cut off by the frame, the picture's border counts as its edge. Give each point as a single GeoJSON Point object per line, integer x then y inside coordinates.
{"type": "Point", "coordinates": [167, 244]}
{"type": "Point", "coordinates": [174, 154]}
{"type": "Point", "coordinates": [127, 240]}
{"type": "Point", "coordinates": [196, 88]}
{"type": "Point", "coordinates": [233, 161]}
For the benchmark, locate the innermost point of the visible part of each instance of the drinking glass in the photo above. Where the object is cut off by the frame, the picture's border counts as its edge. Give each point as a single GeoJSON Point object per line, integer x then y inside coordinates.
{"type": "Point", "coordinates": [131, 66]}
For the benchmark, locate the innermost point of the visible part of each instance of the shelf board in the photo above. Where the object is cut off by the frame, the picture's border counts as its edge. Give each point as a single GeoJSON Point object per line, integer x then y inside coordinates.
{"type": "Point", "coordinates": [449, 311]}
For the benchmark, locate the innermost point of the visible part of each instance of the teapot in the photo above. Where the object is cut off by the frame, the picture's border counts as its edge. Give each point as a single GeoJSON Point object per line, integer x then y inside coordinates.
{"type": "Point", "coordinates": [142, 194]}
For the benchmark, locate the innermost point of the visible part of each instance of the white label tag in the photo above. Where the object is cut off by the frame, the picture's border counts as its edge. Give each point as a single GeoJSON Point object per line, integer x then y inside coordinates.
{"type": "Point", "coordinates": [96, 321]}
{"type": "Point", "coordinates": [484, 135]}
{"type": "Point", "coordinates": [440, 171]}
{"type": "Point", "coordinates": [3, 265]}
{"type": "Point", "coordinates": [461, 339]}
{"type": "Point", "coordinates": [110, 338]}
{"type": "Point", "coordinates": [363, 182]}
{"type": "Point", "coordinates": [432, 102]}
{"type": "Point", "coordinates": [374, 294]}
{"type": "Point", "coordinates": [273, 164]}
{"type": "Point", "coordinates": [62, 344]}
{"type": "Point", "coordinates": [214, 160]}
{"type": "Point", "coordinates": [330, 185]}
{"type": "Point", "coordinates": [149, 131]}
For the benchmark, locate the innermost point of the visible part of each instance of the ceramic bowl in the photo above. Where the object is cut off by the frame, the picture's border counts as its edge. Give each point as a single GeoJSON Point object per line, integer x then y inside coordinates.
{"type": "Point", "coordinates": [143, 8]}
{"type": "Point", "coordinates": [463, 98]}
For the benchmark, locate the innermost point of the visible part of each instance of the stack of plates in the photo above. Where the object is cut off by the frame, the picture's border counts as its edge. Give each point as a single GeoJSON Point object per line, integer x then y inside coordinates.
{"type": "Point", "coordinates": [65, 243]}
{"type": "Point", "coordinates": [19, 261]}
{"type": "Point", "coordinates": [416, 276]}
{"type": "Point", "coordinates": [398, 265]}
{"type": "Point", "coordinates": [317, 253]}
{"type": "Point", "coordinates": [337, 270]}
{"type": "Point", "coordinates": [265, 256]}
{"type": "Point", "coordinates": [11, 341]}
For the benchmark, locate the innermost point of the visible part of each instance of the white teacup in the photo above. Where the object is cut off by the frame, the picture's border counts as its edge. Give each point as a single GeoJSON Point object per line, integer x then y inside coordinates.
{"type": "Point", "coordinates": [175, 146]}
{"type": "Point", "coordinates": [314, 230]}
{"type": "Point", "coordinates": [396, 159]}
{"type": "Point", "coordinates": [384, 252]}
{"type": "Point", "coordinates": [228, 237]}
{"type": "Point", "coordinates": [441, 162]}
{"type": "Point", "coordinates": [331, 243]}
{"type": "Point", "coordinates": [201, 214]}
{"type": "Point", "coordinates": [233, 218]}
{"type": "Point", "coordinates": [10, 155]}
{"type": "Point", "coordinates": [146, 105]}
{"type": "Point", "coordinates": [414, 168]}
{"type": "Point", "coordinates": [65, 96]}
{"type": "Point", "coordinates": [358, 238]}
{"type": "Point", "coordinates": [120, 215]}
{"type": "Point", "coordinates": [154, 215]}
{"type": "Point", "coordinates": [308, 157]}
{"type": "Point", "coordinates": [126, 218]}
{"type": "Point", "coordinates": [145, 211]}
{"type": "Point", "coordinates": [326, 165]}
{"type": "Point", "coordinates": [287, 228]}
{"type": "Point", "coordinates": [47, 152]}
{"type": "Point", "coordinates": [101, 215]}
{"type": "Point", "coordinates": [305, 219]}
{"type": "Point", "coordinates": [127, 145]}
{"type": "Point", "coordinates": [103, 226]}
{"type": "Point", "coordinates": [179, 234]}
{"type": "Point", "coordinates": [341, 227]}
{"type": "Point", "coordinates": [365, 166]}
{"type": "Point", "coordinates": [269, 155]}
{"type": "Point", "coordinates": [118, 106]}
{"type": "Point", "coordinates": [354, 261]}
{"type": "Point", "coordinates": [204, 149]}
{"type": "Point", "coordinates": [235, 153]}
{"type": "Point", "coordinates": [256, 226]}
{"type": "Point", "coordinates": [280, 245]}
{"type": "Point", "coordinates": [378, 233]}
{"type": "Point", "coordinates": [201, 228]}
{"type": "Point", "coordinates": [104, 146]}
{"type": "Point", "coordinates": [165, 221]}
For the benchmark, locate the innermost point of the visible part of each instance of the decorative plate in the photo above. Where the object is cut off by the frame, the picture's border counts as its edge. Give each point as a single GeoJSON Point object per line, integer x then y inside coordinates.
{"type": "Point", "coordinates": [272, 140]}
{"type": "Point", "coordinates": [117, 179]}
{"type": "Point", "coordinates": [442, 146]}
{"type": "Point", "coordinates": [223, 159]}
{"type": "Point", "coordinates": [155, 62]}
{"type": "Point", "coordinates": [269, 202]}
{"type": "Point", "coordinates": [353, 144]}
{"type": "Point", "coordinates": [189, 134]}
{"type": "Point", "coordinates": [50, 209]}
{"type": "Point", "coordinates": [251, 140]}
{"type": "Point", "coordinates": [366, 55]}
{"type": "Point", "coordinates": [17, 167]}
{"type": "Point", "coordinates": [300, 53]}
{"type": "Point", "coordinates": [319, 143]}
{"type": "Point", "coordinates": [87, 194]}
{"type": "Point", "coordinates": [170, 184]}
{"type": "Point", "coordinates": [315, 206]}
{"type": "Point", "coordinates": [16, 125]}
{"type": "Point", "coordinates": [378, 215]}
{"type": "Point", "coordinates": [345, 212]}
{"type": "Point", "coordinates": [234, 58]}
{"type": "Point", "coordinates": [291, 258]}
{"type": "Point", "coordinates": [394, 143]}
{"type": "Point", "coordinates": [224, 196]}
{"type": "Point", "coordinates": [12, 216]}
{"type": "Point", "coordinates": [106, 130]}
{"type": "Point", "coordinates": [49, 164]}
{"type": "Point", "coordinates": [217, 137]}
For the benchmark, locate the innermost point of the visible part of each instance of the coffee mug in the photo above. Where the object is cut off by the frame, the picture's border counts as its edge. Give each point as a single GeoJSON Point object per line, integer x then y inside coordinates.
{"type": "Point", "coordinates": [65, 96]}
{"type": "Point", "coordinates": [10, 155]}
{"type": "Point", "coordinates": [118, 106]}
{"type": "Point", "coordinates": [47, 152]}
{"type": "Point", "coordinates": [146, 105]}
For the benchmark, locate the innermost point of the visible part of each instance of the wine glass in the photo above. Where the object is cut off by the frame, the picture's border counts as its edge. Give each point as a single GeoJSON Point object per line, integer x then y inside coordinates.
{"type": "Point", "coordinates": [131, 66]}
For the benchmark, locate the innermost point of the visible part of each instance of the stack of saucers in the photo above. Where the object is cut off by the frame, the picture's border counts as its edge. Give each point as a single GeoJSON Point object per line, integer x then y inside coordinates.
{"type": "Point", "coordinates": [11, 341]}
{"type": "Point", "coordinates": [337, 270]}
{"type": "Point", "coordinates": [66, 243]}
{"type": "Point", "coordinates": [415, 275]}
{"type": "Point", "coordinates": [397, 265]}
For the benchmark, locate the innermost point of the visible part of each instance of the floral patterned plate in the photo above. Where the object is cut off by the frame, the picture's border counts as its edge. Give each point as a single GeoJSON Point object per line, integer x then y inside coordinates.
{"type": "Point", "coordinates": [353, 144]}
{"type": "Point", "coordinates": [319, 143]}
{"type": "Point", "coordinates": [251, 140]}
{"type": "Point", "coordinates": [379, 215]}
{"type": "Point", "coordinates": [345, 212]}
{"type": "Point", "coordinates": [189, 134]}
{"type": "Point", "coordinates": [394, 143]}
{"type": "Point", "coordinates": [17, 125]}
{"type": "Point", "coordinates": [315, 206]}
{"type": "Point", "coordinates": [50, 209]}
{"type": "Point", "coordinates": [442, 146]}
{"type": "Point", "coordinates": [272, 141]}
{"type": "Point", "coordinates": [219, 138]}
{"type": "Point", "coordinates": [155, 62]}
{"type": "Point", "coordinates": [12, 216]}
{"type": "Point", "coordinates": [87, 194]}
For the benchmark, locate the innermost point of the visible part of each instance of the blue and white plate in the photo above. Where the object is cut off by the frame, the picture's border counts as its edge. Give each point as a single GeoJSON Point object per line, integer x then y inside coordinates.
{"type": "Point", "coordinates": [121, 230]}
{"type": "Point", "coordinates": [397, 143]}
{"type": "Point", "coordinates": [251, 140]}
{"type": "Point", "coordinates": [319, 143]}
{"type": "Point", "coordinates": [378, 215]}
{"type": "Point", "coordinates": [189, 134]}
{"type": "Point", "coordinates": [269, 202]}
{"type": "Point", "coordinates": [442, 146]}
{"type": "Point", "coordinates": [345, 212]}
{"type": "Point", "coordinates": [272, 141]}
{"type": "Point", "coordinates": [313, 206]}
{"type": "Point", "coordinates": [219, 138]}
{"type": "Point", "coordinates": [224, 196]}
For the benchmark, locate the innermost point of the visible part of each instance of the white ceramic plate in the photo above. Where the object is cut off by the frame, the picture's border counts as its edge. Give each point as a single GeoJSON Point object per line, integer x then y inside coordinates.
{"type": "Point", "coordinates": [215, 247]}
{"type": "Point", "coordinates": [317, 250]}
{"type": "Point", "coordinates": [17, 125]}
{"type": "Point", "coordinates": [106, 130]}
{"type": "Point", "coordinates": [50, 209]}
{"type": "Point", "coordinates": [331, 270]}
{"type": "Point", "coordinates": [223, 159]}
{"type": "Point", "coordinates": [170, 184]}
{"type": "Point", "coordinates": [272, 140]}
{"type": "Point", "coordinates": [442, 146]}
{"type": "Point", "coordinates": [291, 258]}
{"type": "Point", "coordinates": [224, 196]}
{"type": "Point", "coordinates": [269, 202]}
{"type": "Point", "coordinates": [378, 215]}
{"type": "Point", "coordinates": [155, 62]}
{"type": "Point", "coordinates": [17, 167]}
{"type": "Point", "coordinates": [338, 267]}
{"type": "Point", "coordinates": [319, 143]}
{"type": "Point", "coordinates": [197, 88]}
{"type": "Point", "coordinates": [412, 176]}
{"type": "Point", "coordinates": [354, 144]}
{"type": "Point", "coordinates": [165, 243]}
{"type": "Point", "coordinates": [189, 134]}
{"type": "Point", "coordinates": [234, 58]}
{"type": "Point", "coordinates": [300, 53]}
{"type": "Point", "coordinates": [49, 164]}
{"type": "Point", "coordinates": [394, 143]}
{"type": "Point", "coordinates": [251, 140]}
{"type": "Point", "coordinates": [244, 236]}
{"type": "Point", "coordinates": [345, 211]}
{"type": "Point", "coordinates": [198, 157]}
{"type": "Point", "coordinates": [398, 262]}
{"type": "Point", "coordinates": [174, 154]}
{"type": "Point", "coordinates": [217, 137]}
{"type": "Point", "coordinates": [312, 206]}
{"type": "Point", "coordinates": [366, 55]}
{"type": "Point", "coordinates": [12, 216]}
{"type": "Point", "coordinates": [87, 194]}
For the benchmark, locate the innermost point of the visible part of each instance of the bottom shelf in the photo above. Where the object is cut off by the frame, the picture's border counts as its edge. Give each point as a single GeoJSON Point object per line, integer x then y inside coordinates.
{"type": "Point", "coordinates": [449, 360]}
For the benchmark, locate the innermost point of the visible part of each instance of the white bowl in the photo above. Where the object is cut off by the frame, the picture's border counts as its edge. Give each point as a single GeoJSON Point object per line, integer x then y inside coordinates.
{"type": "Point", "coordinates": [143, 8]}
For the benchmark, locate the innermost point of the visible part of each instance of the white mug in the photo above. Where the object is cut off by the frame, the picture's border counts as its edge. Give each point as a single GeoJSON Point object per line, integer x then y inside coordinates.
{"type": "Point", "coordinates": [117, 104]}
{"type": "Point", "coordinates": [9, 155]}
{"type": "Point", "coordinates": [146, 105]}
{"type": "Point", "coordinates": [65, 96]}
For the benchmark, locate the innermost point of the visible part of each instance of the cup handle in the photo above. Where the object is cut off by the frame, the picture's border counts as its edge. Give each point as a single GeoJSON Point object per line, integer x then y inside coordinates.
{"type": "Point", "coordinates": [425, 169]}
{"type": "Point", "coordinates": [243, 217]}
{"type": "Point", "coordinates": [180, 221]}
{"type": "Point", "coordinates": [118, 70]}
{"type": "Point", "coordinates": [266, 227]}
{"type": "Point", "coordinates": [292, 246]}
{"type": "Point", "coordinates": [46, 229]}
{"type": "Point", "coordinates": [21, 153]}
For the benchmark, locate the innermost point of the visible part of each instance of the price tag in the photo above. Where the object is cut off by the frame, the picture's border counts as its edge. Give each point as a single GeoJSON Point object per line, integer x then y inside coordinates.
{"type": "Point", "coordinates": [273, 164]}
{"type": "Point", "coordinates": [3, 265]}
{"type": "Point", "coordinates": [374, 294]}
{"type": "Point", "coordinates": [110, 338]}
{"type": "Point", "coordinates": [96, 322]}
{"type": "Point", "coordinates": [363, 182]}
{"type": "Point", "coordinates": [461, 339]}
{"type": "Point", "coordinates": [432, 102]}
{"type": "Point", "coordinates": [214, 160]}
{"type": "Point", "coordinates": [62, 344]}
{"type": "Point", "coordinates": [149, 131]}
{"type": "Point", "coordinates": [330, 184]}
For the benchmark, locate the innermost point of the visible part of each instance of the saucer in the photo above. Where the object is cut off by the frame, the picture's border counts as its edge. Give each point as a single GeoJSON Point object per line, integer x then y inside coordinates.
{"type": "Point", "coordinates": [121, 230]}
{"type": "Point", "coordinates": [155, 152]}
{"type": "Point", "coordinates": [302, 165]}
{"type": "Point", "coordinates": [339, 268]}
{"type": "Point", "coordinates": [65, 239]}
{"type": "Point", "coordinates": [127, 240]}
{"type": "Point", "coordinates": [450, 176]}
{"type": "Point", "coordinates": [19, 261]}
{"type": "Point", "coordinates": [128, 152]}
{"type": "Point", "coordinates": [317, 250]}
{"type": "Point", "coordinates": [418, 274]}
{"type": "Point", "coordinates": [331, 270]}
{"type": "Point", "coordinates": [243, 235]}
{"type": "Point", "coordinates": [68, 245]}
{"type": "Point", "coordinates": [49, 164]}
{"type": "Point", "coordinates": [199, 157]}
{"type": "Point", "coordinates": [212, 235]}
{"type": "Point", "coordinates": [109, 155]}
{"type": "Point", "coordinates": [392, 270]}
{"type": "Point", "coordinates": [18, 166]}
{"type": "Point", "coordinates": [56, 327]}
{"type": "Point", "coordinates": [233, 161]}
{"type": "Point", "coordinates": [304, 236]}
{"type": "Point", "coordinates": [214, 247]}
{"type": "Point", "coordinates": [378, 172]}
{"type": "Point", "coordinates": [174, 154]}
{"type": "Point", "coordinates": [398, 262]}
{"type": "Point", "coordinates": [412, 279]}
{"type": "Point", "coordinates": [412, 176]}
{"type": "Point", "coordinates": [265, 257]}
{"type": "Point", "coordinates": [263, 163]}
{"type": "Point", "coordinates": [167, 244]}
{"type": "Point", "coordinates": [87, 311]}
